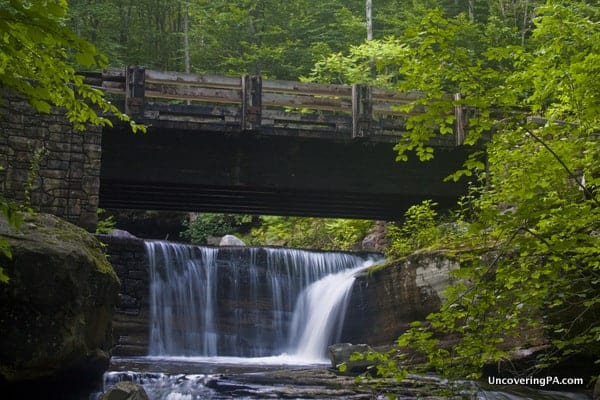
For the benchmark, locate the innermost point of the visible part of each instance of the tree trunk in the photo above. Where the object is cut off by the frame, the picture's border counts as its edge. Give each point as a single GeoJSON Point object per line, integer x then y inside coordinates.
{"type": "Point", "coordinates": [186, 36]}
{"type": "Point", "coordinates": [369, 12]}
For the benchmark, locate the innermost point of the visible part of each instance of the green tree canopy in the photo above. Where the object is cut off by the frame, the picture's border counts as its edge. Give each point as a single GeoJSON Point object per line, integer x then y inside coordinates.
{"type": "Point", "coordinates": [533, 218]}
{"type": "Point", "coordinates": [39, 55]}
{"type": "Point", "coordinates": [276, 39]}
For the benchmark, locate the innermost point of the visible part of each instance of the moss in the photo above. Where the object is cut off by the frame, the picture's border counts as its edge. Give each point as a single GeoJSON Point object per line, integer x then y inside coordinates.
{"type": "Point", "coordinates": [450, 254]}
{"type": "Point", "coordinates": [51, 231]}
{"type": "Point", "coordinates": [388, 263]}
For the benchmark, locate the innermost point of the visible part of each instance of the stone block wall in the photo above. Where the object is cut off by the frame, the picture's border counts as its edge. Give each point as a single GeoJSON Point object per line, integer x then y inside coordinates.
{"type": "Point", "coordinates": [131, 323]}
{"type": "Point", "coordinates": [48, 165]}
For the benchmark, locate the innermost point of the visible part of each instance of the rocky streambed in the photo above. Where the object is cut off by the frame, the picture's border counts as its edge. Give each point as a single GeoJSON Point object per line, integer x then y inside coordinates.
{"type": "Point", "coordinates": [194, 379]}
{"type": "Point", "coordinates": [177, 379]}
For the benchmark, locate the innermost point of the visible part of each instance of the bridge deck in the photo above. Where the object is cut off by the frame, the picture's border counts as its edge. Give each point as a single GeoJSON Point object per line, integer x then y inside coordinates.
{"type": "Point", "coordinates": [247, 145]}
{"type": "Point", "coordinates": [271, 107]}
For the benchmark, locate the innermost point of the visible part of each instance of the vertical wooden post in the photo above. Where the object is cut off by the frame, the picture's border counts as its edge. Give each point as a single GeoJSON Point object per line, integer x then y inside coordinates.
{"type": "Point", "coordinates": [135, 80]}
{"type": "Point", "coordinates": [251, 102]}
{"type": "Point", "coordinates": [362, 110]}
{"type": "Point", "coordinates": [460, 122]}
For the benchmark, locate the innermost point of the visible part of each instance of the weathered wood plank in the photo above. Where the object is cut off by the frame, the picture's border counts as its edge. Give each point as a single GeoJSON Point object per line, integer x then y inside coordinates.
{"type": "Point", "coordinates": [114, 87]}
{"type": "Point", "coordinates": [201, 94]}
{"type": "Point", "coordinates": [114, 74]}
{"type": "Point", "coordinates": [91, 78]}
{"type": "Point", "coordinates": [227, 111]}
{"type": "Point", "coordinates": [180, 78]}
{"type": "Point", "coordinates": [135, 88]}
{"type": "Point", "coordinates": [305, 101]}
{"type": "Point", "coordinates": [362, 110]}
{"type": "Point", "coordinates": [306, 88]}
{"type": "Point", "coordinates": [197, 119]}
{"type": "Point", "coordinates": [314, 117]}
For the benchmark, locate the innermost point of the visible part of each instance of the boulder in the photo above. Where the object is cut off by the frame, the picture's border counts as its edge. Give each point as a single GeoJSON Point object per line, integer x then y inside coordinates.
{"type": "Point", "coordinates": [213, 240]}
{"type": "Point", "coordinates": [120, 233]}
{"type": "Point", "coordinates": [340, 353]}
{"type": "Point", "coordinates": [56, 311]}
{"type": "Point", "coordinates": [125, 391]}
{"type": "Point", "coordinates": [369, 243]}
{"type": "Point", "coordinates": [377, 239]}
{"type": "Point", "coordinates": [386, 298]}
{"type": "Point", "coordinates": [230, 240]}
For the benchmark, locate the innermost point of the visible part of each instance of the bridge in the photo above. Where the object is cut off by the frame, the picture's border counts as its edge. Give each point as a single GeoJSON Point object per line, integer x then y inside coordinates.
{"type": "Point", "coordinates": [248, 145]}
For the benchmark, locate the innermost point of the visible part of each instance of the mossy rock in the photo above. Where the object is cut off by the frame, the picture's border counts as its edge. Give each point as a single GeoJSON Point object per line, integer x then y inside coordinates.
{"type": "Point", "coordinates": [56, 310]}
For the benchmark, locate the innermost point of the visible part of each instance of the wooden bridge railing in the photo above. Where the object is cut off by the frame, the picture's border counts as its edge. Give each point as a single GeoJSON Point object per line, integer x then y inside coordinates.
{"type": "Point", "coordinates": [249, 103]}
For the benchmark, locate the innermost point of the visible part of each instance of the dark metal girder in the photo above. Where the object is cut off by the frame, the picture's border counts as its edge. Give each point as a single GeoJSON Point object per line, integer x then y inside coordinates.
{"type": "Point", "coordinates": [114, 194]}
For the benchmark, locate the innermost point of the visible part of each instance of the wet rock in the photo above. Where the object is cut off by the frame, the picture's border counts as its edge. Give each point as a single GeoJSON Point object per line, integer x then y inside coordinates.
{"type": "Point", "coordinates": [56, 311]}
{"type": "Point", "coordinates": [231, 240]}
{"type": "Point", "coordinates": [125, 391]}
{"type": "Point", "coordinates": [388, 297]}
{"type": "Point", "coordinates": [324, 383]}
{"type": "Point", "coordinates": [121, 234]}
{"type": "Point", "coordinates": [340, 353]}
{"type": "Point", "coordinates": [213, 240]}
{"type": "Point", "coordinates": [377, 239]}
{"type": "Point", "coordinates": [369, 243]}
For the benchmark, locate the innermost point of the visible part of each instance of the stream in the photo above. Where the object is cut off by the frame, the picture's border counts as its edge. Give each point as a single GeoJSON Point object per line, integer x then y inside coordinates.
{"type": "Point", "coordinates": [262, 331]}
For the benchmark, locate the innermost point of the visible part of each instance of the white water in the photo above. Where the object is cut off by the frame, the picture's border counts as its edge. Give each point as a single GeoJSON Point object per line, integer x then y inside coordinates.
{"type": "Point", "coordinates": [286, 308]}
{"type": "Point", "coordinates": [174, 292]}
{"type": "Point", "coordinates": [319, 314]}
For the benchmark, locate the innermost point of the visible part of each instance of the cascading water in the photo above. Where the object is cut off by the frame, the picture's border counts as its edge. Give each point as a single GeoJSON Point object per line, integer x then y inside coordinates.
{"type": "Point", "coordinates": [182, 316]}
{"type": "Point", "coordinates": [319, 314]}
{"type": "Point", "coordinates": [247, 302]}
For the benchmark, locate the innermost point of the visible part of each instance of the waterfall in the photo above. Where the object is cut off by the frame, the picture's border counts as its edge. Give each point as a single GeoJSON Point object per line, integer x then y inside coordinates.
{"type": "Point", "coordinates": [319, 314]}
{"type": "Point", "coordinates": [182, 299]}
{"type": "Point", "coordinates": [246, 301]}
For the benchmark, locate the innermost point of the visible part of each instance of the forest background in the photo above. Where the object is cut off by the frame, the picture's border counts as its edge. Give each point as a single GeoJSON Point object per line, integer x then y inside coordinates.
{"type": "Point", "coordinates": [279, 40]}
{"type": "Point", "coordinates": [528, 232]}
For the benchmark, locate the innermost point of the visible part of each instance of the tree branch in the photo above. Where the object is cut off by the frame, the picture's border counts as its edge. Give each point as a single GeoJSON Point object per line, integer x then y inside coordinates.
{"type": "Point", "coordinates": [565, 167]}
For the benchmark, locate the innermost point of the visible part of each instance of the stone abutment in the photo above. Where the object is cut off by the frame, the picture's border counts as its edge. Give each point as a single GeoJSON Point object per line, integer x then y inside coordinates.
{"type": "Point", "coordinates": [47, 165]}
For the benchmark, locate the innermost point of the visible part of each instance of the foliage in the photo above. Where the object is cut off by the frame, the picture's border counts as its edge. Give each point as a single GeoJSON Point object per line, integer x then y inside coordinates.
{"type": "Point", "coordinates": [533, 268]}
{"type": "Point", "coordinates": [536, 211]}
{"type": "Point", "coordinates": [315, 233]}
{"type": "Point", "coordinates": [105, 225]}
{"type": "Point", "coordinates": [34, 167]}
{"type": "Point", "coordinates": [8, 212]}
{"type": "Point", "coordinates": [203, 226]}
{"type": "Point", "coordinates": [38, 55]}
{"type": "Point", "coordinates": [420, 229]}
{"type": "Point", "coordinates": [280, 40]}
{"type": "Point", "coordinates": [299, 232]}
{"type": "Point", "coordinates": [375, 62]}
{"type": "Point", "coordinates": [276, 39]}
